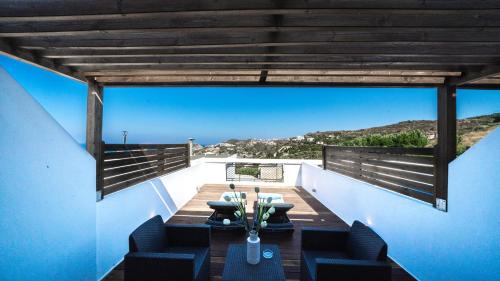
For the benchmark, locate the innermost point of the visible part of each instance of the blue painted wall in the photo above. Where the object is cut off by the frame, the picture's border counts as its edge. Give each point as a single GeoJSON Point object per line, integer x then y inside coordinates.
{"type": "Point", "coordinates": [461, 244]}
{"type": "Point", "coordinates": [47, 194]}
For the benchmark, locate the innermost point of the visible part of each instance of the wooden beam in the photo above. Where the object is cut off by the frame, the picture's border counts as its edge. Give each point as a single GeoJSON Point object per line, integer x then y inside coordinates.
{"type": "Point", "coordinates": [388, 17]}
{"type": "Point", "coordinates": [396, 73]}
{"type": "Point", "coordinates": [95, 97]}
{"type": "Point", "coordinates": [473, 76]}
{"type": "Point", "coordinates": [300, 33]}
{"type": "Point", "coordinates": [230, 38]}
{"type": "Point", "coordinates": [177, 79]}
{"type": "Point", "coordinates": [255, 18]}
{"type": "Point", "coordinates": [412, 48]}
{"type": "Point", "coordinates": [447, 141]}
{"type": "Point", "coordinates": [263, 66]}
{"type": "Point", "coordinates": [274, 59]}
{"type": "Point", "coordinates": [356, 79]}
{"type": "Point", "coordinates": [74, 7]}
{"type": "Point", "coordinates": [264, 77]}
{"type": "Point", "coordinates": [30, 57]}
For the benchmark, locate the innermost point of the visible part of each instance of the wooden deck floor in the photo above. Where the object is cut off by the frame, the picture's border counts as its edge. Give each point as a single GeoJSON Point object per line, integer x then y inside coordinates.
{"type": "Point", "coordinates": [307, 212]}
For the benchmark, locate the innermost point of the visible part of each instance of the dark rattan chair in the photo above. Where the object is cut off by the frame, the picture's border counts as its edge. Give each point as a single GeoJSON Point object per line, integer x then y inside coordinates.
{"type": "Point", "coordinates": [168, 252]}
{"type": "Point", "coordinates": [355, 254]}
{"type": "Point", "coordinates": [224, 210]}
{"type": "Point", "coordinates": [279, 221]}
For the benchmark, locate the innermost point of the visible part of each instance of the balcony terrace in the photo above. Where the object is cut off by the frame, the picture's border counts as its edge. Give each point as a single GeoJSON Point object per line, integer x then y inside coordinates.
{"type": "Point", "coordinates": [308, 211]}
{"type": "Point", "coordinates": [67, 212]}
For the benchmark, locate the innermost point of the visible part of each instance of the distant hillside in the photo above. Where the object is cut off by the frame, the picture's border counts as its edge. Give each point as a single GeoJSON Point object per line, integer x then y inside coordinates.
{"type": "Point", "coordinates": [413, 133]}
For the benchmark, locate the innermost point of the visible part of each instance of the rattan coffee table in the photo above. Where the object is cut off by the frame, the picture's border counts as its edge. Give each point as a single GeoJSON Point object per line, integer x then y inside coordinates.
{"type": "Point", "coordinates": [236, 267]}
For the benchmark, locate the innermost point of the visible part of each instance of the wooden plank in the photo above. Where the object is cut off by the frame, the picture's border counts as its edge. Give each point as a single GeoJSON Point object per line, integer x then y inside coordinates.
{"type": "Point", "coordinates": [385, 150]}
{"type": "Point", "coordinates": [283, 79]}
{"type": "Point", "coordinates": [402, 23]}
{"type": "Point", "coordinates": [143, 160]}
{"type": "Point", "coordinates": [356, 79]}
{"type": "Point", "coordinates": [396, 188]}
{"type": "Point", "coordinates": [127, 183]}
{"type": "Point", "coordinates": [413, 159]}
{"type": "Point", "coordinates": [143, 153]}
{"type": "Point", "coordinates": [376, 73]}
{"type": "Point", "coordinates": [157, 166]}
{"type": "Point", "coordinates": [405, 178]}
{"type": "Point", "coordinates": [12, 8]}
{"type": "Point", "coordinates": [290, 48]}
{"type": "Point", "coordinates": [343, 17]}
{"type": "Point", "coordinates": [116, 147]}
{"type": "Point", "coordinates": [223, 39]}
{"type": "Point", "coordinates": [427, 169]}
{"type": "Point", "coordinates": [406, 175]}
{"type": "Point", "coordinates": [267, 66]}
{"type": "Point", "coordinates": [151, 172]}
{"type": "Point", "coordinates": [176, 79]}
{"type": "Point", "coordinates": [396, 168]}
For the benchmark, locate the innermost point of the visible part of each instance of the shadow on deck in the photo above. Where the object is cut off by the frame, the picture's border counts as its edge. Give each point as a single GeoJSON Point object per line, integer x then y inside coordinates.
{"type": "Point", "coordinates": [307, 212]}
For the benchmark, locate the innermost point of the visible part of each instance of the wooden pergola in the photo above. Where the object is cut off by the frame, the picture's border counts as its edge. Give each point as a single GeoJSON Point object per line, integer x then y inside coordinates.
{"type": "Point", "coordinates": [358, 43]}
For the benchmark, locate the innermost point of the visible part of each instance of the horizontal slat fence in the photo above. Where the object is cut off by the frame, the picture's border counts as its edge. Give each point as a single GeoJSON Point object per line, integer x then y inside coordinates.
{"type": "Point", "coordinates": [409, 171]}
{"type": "Point", "coordinates": [124, 165]}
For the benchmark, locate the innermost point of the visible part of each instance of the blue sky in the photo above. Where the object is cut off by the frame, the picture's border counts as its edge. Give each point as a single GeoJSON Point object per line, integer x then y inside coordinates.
{"type": "Point", "coordinates": [166, 115]}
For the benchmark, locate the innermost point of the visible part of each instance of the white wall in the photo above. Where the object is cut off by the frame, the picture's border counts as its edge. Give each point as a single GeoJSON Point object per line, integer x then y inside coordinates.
{"type": "Point", "coordinates": [119, 213]}
{"type": "Point", "coordinates": [47, 194]}
{"type": "Point", "coordinates": [461, 244]}
{"type": "Point", "coordinates": [215, 170]}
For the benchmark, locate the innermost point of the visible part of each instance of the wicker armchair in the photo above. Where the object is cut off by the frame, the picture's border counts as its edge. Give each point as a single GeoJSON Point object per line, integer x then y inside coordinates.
{"type": "Point", "coordinates": [168, 252]}
{"type": "Point", "coordinates": [355, 254]}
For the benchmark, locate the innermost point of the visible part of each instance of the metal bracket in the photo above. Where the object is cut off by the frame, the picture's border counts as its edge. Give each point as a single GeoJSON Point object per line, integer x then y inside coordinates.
{"type": "Point", "coordinates": [441, 204]}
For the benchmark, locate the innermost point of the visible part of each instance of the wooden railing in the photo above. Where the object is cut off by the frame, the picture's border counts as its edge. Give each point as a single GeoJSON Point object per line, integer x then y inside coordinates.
{"type": "Point", "coordinates": [125, 165]}
{"type": "Point", "coordinates": [409, 171]}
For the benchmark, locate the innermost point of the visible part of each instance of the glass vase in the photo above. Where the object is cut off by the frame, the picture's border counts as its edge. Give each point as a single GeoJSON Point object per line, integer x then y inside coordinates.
{"type": "Point", "coordinates": [253, 248]}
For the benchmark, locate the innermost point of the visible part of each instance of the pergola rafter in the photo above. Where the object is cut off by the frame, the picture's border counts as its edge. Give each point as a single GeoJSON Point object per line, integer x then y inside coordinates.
{"type": "Point", "coordinates": [141, 38]}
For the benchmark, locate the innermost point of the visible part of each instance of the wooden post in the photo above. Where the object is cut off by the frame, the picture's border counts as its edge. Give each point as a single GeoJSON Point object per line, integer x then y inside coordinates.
{"type": "Point", "coordinates": [94, 128]}
{"type": "Point", "coordinates": [447, 141]}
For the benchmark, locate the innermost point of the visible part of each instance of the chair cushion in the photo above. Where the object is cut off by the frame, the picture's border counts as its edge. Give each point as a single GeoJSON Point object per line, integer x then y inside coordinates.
{"type": "Point", "coordinates": [364, 244]}
{"type": "Point", "coordinates": [223, 207]}
{"type": "Point", "coordinates": [149, 236]}
{"type": "Point", "coordinates": [200, 254]}
{"type": "Point", "coordinates": [311, 256]}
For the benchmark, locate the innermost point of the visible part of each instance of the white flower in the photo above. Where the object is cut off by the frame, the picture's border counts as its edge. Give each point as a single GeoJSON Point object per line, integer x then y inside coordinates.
{"type": "Point", "coordinates": [265, 216]}
{"type": "Point", "coordinates": [271, 210]}
{"type": "Point", "coordinates": [237, 214]}
{"type": "Point", "coordinates": [226, 222]}
{"type": "Point", "coordinates": [227, 198]}
{"type": "Point", "coordinates": [263, 224]}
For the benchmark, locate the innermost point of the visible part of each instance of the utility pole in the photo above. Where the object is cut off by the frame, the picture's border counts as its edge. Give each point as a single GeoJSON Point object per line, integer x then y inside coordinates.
{"type": "Point", "coordinates": [124, 133]}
